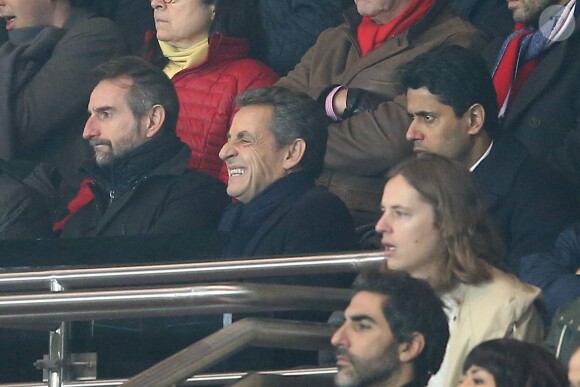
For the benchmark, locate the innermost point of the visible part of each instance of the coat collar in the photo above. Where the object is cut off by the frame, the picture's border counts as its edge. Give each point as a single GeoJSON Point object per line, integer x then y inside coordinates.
{"type": "Point", "coordinates": [169, 156]}
{"type": "Point", "coordinates": [162, 155]}
{"type": "Point", "coordinates": [285, 206]}
{"type": "Point", "coordinates": [497, 172]}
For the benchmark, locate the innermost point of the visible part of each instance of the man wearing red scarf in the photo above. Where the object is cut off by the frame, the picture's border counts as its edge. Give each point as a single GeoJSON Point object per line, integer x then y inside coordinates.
{"type": "Point", "coordinates": [536, 74]}
{"type": "Point", "coordinates": [352, 71]}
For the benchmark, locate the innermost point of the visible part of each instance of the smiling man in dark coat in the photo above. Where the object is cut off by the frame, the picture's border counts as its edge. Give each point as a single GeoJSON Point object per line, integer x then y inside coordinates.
{"type": "Point", "coordinates": [275, 150]}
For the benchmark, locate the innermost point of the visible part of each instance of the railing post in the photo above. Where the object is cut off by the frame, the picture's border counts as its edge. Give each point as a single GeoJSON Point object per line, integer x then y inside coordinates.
{"type": "Point", "coordinates": [58, 351]}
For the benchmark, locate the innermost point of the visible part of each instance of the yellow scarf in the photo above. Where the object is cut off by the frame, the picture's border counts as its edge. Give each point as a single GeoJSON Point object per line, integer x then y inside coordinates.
{"type": "Point", "coordinates": [180, 59]}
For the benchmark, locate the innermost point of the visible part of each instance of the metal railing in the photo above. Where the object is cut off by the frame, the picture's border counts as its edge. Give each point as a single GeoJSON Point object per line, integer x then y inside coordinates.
{"type": "Point", "coordinates": [212, 379]}
{"type": "Point", "coordinates": [49, 310]}
{"type": "Point", "coordinates": [222, 344]}
{"type": "Point", "coordinates": [59, 304]}
{"type": "Point", "coordinates": [188, 272]}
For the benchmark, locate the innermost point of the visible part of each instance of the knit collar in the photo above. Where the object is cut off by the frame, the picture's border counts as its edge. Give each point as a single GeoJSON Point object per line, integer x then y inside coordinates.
{"type": "Point", "coordinates": [258, 209]}
{"type": "Point", "coordinates": [222, 49]}
{"type": "Point", "coordinates": [138, 164]}
{"type": "Point", "coordinates": [182, 58]}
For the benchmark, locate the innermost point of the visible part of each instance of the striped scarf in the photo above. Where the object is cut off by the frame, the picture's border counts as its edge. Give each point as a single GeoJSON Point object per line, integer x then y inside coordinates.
{"type": "Point", "coordinates": [520, 53]}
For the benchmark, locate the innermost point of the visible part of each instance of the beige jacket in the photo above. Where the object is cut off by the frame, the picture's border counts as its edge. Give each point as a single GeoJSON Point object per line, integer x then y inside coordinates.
{"type": "Point", "coordinates": [503, 307]}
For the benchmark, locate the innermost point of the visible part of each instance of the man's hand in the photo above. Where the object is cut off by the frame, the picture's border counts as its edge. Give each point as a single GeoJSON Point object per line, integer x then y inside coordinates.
{"type": "Point", "coordinates": [358, 100]}
{"type": "Point", "coordinates": [339, 101]}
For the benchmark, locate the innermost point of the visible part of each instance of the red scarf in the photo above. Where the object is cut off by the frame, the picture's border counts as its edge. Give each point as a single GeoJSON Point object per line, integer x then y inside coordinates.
{"type": "Point", "coordinates": [371, 35]}
{"type": "Point", "coordinates": [84, 197]}
{"type": "Point", "coordinates": [503, 79]}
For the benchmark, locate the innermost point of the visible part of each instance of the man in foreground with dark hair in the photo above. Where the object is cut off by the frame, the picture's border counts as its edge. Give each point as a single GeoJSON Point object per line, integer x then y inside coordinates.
{"type": "Point", "coordinates": [452, 103]}
{"type": "Point", "coordinates": [138, 182]}
{"type": "Point", "coordinates": [395, 333]}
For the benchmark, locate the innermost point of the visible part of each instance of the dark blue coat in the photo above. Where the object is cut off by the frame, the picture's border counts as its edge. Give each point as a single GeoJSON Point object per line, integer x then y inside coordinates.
{"type": "Point", "coordinates": [291, 27]}
{"type": "Point", "coordinates": [304, 219]}
{"type": "Point", "coordinates": [555, 271]}
{"type": "Point", "coordinates": [491, 16]}
{"type": "Point", "coordinates": [291, 217]}
{"type": "Point", "coordinates": [529, 207]}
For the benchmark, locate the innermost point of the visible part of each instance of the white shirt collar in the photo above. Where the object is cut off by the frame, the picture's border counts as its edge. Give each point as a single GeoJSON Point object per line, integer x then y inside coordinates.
{"type": "Point", "coordinates": [481, 158]}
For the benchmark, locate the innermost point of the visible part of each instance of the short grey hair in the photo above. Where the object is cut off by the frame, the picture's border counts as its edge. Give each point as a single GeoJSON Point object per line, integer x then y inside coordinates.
{"type": "Point", "coordinates": [295, 115]}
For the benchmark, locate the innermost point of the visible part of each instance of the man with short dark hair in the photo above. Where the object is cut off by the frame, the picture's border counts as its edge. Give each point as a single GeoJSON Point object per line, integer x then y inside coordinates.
{"type": "Point", "coordinates": [275, 150]}
{"type": "Point", "coordinates": [451, 100]}
{"type": "Point", "coordinates": [45, 64]}
{"type": "Point", "coordinates": [138, 182]}
{"type": "Point", "coordinates": [394, 335]}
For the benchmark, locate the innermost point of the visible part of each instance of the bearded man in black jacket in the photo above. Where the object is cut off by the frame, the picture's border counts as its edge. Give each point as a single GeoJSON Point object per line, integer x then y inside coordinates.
{"type": "Point", "coordinates": [138, 182]}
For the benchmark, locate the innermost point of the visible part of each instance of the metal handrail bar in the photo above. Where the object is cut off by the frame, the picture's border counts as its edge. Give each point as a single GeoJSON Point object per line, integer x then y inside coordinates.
{"type": "Point", "coordinates": [220, 379]}
{"type": "Point", "coordinates": [227, 341]}
{"type": "Point", "coordinates": [104, 277]}
{"type": "Point", "coordinates": [47, 308]}
{"type": "Point", "coordinates": [217, 379]}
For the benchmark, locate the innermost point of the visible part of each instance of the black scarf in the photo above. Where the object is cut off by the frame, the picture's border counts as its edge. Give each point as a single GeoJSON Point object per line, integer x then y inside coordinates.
{"type": "Point", "coordinates": [242, 221]}
{"type": "Point", "coordinates": [129, 170]}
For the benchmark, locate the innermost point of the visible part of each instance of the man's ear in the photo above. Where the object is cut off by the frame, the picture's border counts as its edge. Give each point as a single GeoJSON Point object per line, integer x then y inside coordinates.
{"type": "Point", "coordinates": [294, 153]}
{"type": "Point", "coordinates": [411, 349]}
{"type": "Point", "coordinates": [155, 119]}
{"type": "Point", "coordinates": [476, 118]}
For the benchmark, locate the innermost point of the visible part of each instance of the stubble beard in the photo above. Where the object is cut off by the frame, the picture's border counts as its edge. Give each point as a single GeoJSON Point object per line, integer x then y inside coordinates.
{"type": "Point", "coordinates": [531, 11]}
{"type": "Point", "coordinates": [124, 145]}
{"type": "Point", "coordinates": [103, 157]}
{"type": "Point", "coordinates": [362, 373]}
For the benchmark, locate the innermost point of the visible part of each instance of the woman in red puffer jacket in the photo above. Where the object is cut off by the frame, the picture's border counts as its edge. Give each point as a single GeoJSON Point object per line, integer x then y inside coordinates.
{"type": "Point", "coordinates": [203, 46]}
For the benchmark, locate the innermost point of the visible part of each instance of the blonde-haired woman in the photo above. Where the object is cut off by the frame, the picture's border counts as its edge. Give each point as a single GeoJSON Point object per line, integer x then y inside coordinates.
{"type": "Point", "coordinates": [434, 228]}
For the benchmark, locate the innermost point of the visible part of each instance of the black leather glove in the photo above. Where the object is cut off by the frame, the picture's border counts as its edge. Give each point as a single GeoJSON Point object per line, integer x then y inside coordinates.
{"type": "Point", "coordinates": [360, 100]}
